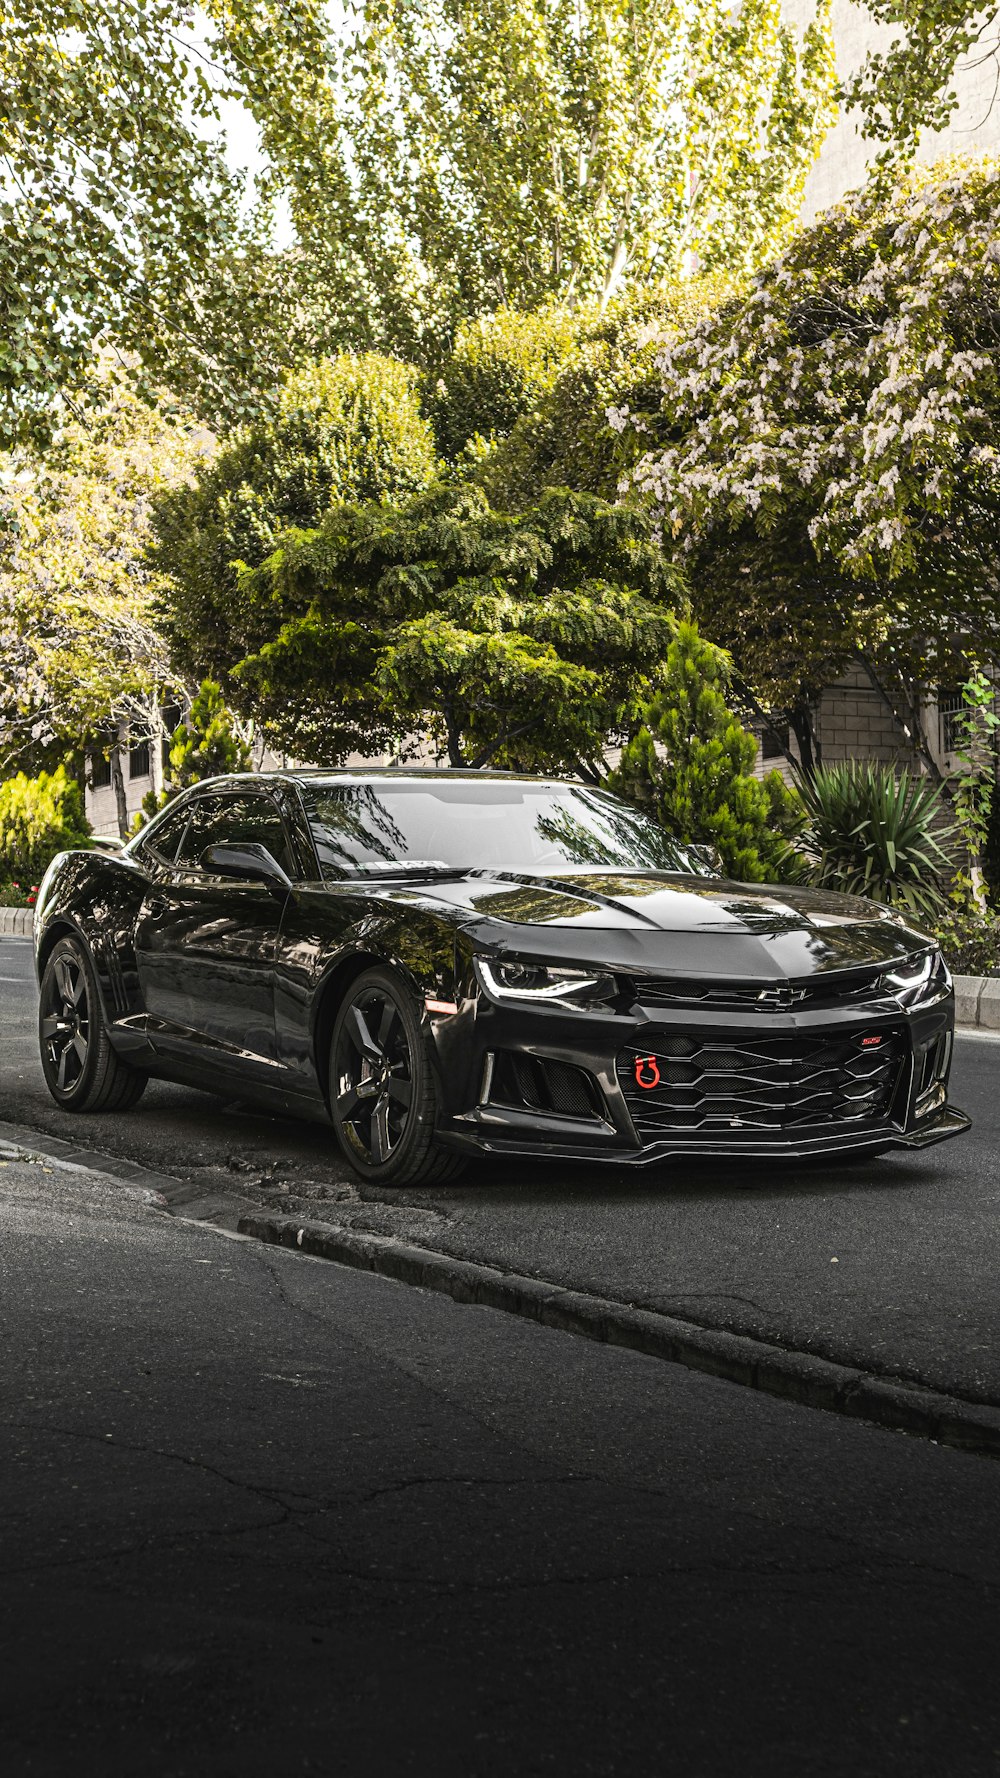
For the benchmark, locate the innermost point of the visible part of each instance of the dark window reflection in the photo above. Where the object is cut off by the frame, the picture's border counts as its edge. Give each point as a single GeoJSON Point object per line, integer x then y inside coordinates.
{"type": "Point", "coordinates": [485, 825]}
{"type": "Point", "coordinates": [235, 821]}
{"type": "Point", "coordinates": [162, 839]}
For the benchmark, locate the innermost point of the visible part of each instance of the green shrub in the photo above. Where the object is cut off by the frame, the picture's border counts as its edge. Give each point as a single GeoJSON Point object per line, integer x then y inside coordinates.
{"type": "Point", "coordinates": [205, 745]}
{"type": "Point", "coordinates": [691, 766]}
{"type": "Point", "coordinates": [38, 818]}
{"type": "Point", "coordinates": [499, 368]}
{"type": "Point", "coordinates": [970, 942]}
{"type": "Point", "coordinates": [347, 428]}
{"type": "Point", "coordinates": [874, 832]}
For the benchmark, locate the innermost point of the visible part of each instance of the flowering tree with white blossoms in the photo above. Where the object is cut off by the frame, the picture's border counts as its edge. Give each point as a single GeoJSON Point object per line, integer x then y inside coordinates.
{"type": "Point", "coordinates": [828, 462]}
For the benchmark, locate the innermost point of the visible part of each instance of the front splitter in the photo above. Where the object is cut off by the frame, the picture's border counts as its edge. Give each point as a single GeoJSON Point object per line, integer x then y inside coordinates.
{"type": "Point", "coordinates": [948, 1122]}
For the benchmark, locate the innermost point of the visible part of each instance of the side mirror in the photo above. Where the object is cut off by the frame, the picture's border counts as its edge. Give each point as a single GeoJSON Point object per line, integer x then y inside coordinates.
{"type": "Point", "coordinates": [247, 863]}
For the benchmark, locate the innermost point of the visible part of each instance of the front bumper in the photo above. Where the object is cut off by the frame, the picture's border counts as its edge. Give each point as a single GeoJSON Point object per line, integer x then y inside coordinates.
{"type": "Point", "coordinates": [487, 1047]}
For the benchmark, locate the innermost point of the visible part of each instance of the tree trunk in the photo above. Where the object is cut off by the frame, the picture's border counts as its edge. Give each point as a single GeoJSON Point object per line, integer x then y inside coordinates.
{"type": "Point", "coordinates": [800, 721]}
{"type": "Point", "coordinates": [118, 780]}
{"type": "Point", "coordinates": [157, 741]}
{"type": "Point", "coordinates": [118, 786]}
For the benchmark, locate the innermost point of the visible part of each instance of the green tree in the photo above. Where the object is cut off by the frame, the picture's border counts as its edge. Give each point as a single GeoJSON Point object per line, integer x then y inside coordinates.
{"type": "Point", "coordinates": [206, 744]}
{"type": "Point", "coordinates": [499, 368]}
{"type": "Point", "coordinates": [113, 200]}
{"type": "Point", "coordinates": [469, 156]}
{"type": "Point", "coordinates": [348, 428]}
{"type": "Point", "coordinates": [691, 764]}
{"type": "Point", "coordinates": [583, 425]}
{"type": "Point", "coordinates": [38, 818]}
{"type": "Point", "coordinates": [975, 783]}
{"type": "Point", "coordinates": [82, 651]}
{"type": "Point", "coordinates": [527, 640]}
{"type": "Point", "coordinates": [826, 459]}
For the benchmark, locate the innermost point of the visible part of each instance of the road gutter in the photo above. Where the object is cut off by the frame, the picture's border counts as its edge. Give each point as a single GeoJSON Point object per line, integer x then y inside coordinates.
{"type": "Point", "coordinates": [890, 1402]}
{"type": "Point", "coordinates": [896, 1403]}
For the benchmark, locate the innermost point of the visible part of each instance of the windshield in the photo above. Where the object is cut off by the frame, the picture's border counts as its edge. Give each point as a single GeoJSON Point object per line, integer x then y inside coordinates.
{"type": "Point", "coordinates": [427, 823]}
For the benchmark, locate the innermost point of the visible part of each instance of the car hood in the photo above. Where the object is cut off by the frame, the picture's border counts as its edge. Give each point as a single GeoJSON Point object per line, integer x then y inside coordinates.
{"type": "Point", "coordinates": [693, 924]}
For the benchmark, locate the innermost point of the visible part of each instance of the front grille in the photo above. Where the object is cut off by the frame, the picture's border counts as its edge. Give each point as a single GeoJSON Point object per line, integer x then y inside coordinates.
{"type": "Point", "coordinates": [724, 1085]}
{"type": "Point", "coordinates": [840, 987]}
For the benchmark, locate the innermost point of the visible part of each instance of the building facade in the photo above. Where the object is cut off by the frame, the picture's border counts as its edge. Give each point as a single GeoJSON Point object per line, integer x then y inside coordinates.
{"type": "Point", "coordinates": [846, 155]}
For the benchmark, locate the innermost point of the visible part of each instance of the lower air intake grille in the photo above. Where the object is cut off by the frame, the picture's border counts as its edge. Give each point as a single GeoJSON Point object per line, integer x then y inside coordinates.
{"type": "Point", "coordinates": [520, 1080]}
{"type": "Point", "coordinates": [725, 1085]}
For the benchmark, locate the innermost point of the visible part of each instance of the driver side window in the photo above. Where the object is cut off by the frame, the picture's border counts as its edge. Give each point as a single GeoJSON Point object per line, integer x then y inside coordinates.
{"type": "Point", "coordinates": [234, 821]}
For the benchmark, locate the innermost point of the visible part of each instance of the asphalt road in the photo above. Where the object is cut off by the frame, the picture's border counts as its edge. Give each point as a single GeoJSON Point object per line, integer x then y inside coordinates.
{"type": "Point", "coordinates": [264, 1515]}
{"type": "Point", "coordinates": [889, 1263]}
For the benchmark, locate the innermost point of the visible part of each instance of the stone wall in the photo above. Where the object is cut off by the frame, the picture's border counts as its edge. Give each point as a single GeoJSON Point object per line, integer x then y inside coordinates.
{"type": "Point", "coordinates": [854, 722]}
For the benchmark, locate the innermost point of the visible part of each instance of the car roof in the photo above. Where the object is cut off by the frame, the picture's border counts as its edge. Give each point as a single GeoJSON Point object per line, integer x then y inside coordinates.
{"type": "Point", "coordinates": [362, 774]}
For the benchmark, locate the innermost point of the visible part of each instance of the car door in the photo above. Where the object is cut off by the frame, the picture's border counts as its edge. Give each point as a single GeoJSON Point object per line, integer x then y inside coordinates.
{"type": "Point", "coordinates": [206, 945]}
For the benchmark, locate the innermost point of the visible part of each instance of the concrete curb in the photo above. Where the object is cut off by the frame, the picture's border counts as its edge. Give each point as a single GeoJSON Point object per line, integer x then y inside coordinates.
{"type": "Point", "coordinates": [977, 1002]}
{"type": "Point", "coordinates": [891, 1402]}
{"type": "Point", "coordinates": [16, 922]}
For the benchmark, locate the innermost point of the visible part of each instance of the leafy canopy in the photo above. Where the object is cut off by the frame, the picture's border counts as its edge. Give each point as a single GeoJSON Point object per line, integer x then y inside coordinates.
{"type": "Point", "coordinates": [344, 429]}
{"type": "Point", "coordinates": [526, 640]}
{"type": "Point", "coordinates": [82, 649]}
{"type": "Point", "coordinates": [570, 429]}
{"type": "Point", "coordinates": [907, 88]}
{"type": "Point", "coordinates": [828, 461]}
{"type": "Point", "coordinates": [447, 159]}
{"type": "Point", "coordinates": [691, 764]}
{"type": "Point", "coordinates": [114, 199]}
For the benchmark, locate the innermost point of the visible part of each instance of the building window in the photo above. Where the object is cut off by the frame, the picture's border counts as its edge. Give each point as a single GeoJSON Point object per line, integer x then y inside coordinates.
{"type": "Point", "coordinates": [138, 760]}
{"type": "Point", "coordinates": [100, 771]}
{"type": "Point", "coordinates": [949, 716]}
{"type": "Point", "coordinates": [774, 742]}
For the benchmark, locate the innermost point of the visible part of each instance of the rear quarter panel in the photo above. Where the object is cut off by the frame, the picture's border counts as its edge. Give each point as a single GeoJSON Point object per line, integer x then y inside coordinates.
{"type": "Point", "coordinates": [97, 897]}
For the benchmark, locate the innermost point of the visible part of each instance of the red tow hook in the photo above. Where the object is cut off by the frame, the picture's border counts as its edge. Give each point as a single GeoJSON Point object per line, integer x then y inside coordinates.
{"type": "Point", "coordinates": [647, 1074]}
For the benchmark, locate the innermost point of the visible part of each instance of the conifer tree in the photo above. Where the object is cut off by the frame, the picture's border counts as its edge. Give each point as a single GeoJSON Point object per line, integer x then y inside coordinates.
{"type": "Point", "coordinates": [206, 744]}
{"type": "Point", "coordinates": [690, 765]}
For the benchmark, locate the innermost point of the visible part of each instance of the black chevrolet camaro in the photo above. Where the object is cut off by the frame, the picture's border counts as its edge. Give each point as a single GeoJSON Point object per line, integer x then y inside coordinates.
{"type": "Point", "coordinates": [446, 963]}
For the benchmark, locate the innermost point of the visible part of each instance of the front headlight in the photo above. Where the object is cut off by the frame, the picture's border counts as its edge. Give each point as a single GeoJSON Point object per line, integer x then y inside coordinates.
{"type": "Point", "coordinates": [917, 978]}
{"type": "Point", "coordinates": [507, 981]}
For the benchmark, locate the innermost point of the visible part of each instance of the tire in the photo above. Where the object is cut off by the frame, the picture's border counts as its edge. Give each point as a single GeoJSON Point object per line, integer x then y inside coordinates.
{"type": "Point", "coordinates": [383, 1091]}
{"type": "Point", "coordinates": [82, 1071]}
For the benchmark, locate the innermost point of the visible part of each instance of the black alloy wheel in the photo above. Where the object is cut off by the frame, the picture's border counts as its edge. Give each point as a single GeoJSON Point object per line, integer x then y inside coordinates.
{"type": "Point", "coordinates": [82, 1071]}
{"type": "Point", "coordinates": [65, 1023]}
{"type": "Point", "coordinates": [383, 1093]}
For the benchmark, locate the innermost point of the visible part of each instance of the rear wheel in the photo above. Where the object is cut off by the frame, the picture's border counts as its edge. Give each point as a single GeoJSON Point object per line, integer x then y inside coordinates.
{"type": "Point", "coordinates": [383, 1091]}
{"type": "Point", "coordinates": [82, 1071]}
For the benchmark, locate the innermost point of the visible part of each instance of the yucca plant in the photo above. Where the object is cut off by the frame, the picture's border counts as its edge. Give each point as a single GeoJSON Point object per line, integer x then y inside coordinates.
{"type": "Point", "coordinates": [873, 831]}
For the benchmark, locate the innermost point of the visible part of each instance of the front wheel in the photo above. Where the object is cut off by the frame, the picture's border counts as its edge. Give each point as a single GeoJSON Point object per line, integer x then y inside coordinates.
{"type": "Point", "coordinates": [82, 1071]}
{"type": "Point", "coordinates": [383, 1092]}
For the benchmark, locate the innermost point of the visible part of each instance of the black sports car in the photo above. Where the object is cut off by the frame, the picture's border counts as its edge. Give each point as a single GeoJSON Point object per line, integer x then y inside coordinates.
{"type": "Point", "coordinates": [442, 963]}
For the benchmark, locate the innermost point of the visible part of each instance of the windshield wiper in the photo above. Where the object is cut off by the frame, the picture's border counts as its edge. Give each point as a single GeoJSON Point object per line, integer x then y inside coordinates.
{"type": "Point", "coordinates": [413, 867]}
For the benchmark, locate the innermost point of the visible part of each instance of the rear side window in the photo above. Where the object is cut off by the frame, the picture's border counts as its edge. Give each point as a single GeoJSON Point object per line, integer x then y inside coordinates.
{"type": "Point", "coordinates": [164, 837]}
{"type": "Point", "coordinates": [236, 821]}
